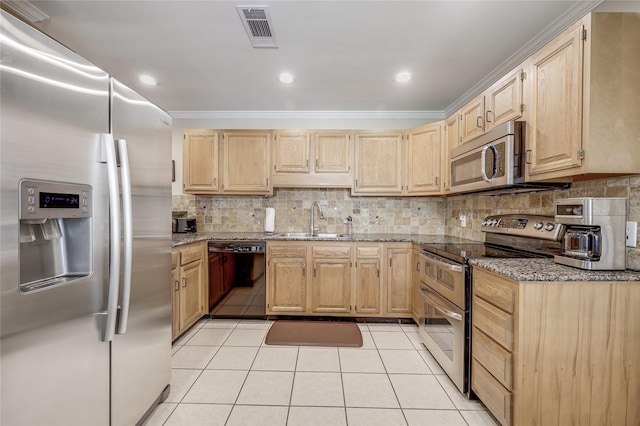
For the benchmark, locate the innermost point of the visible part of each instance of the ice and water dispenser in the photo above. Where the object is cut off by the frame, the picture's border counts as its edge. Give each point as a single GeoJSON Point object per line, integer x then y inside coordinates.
{"type": "Point", "coordinates": [55, 233]}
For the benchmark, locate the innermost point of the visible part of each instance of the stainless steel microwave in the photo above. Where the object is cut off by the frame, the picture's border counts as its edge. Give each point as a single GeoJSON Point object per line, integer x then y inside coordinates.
{"type": "Point", "coordinates": [490, 161]}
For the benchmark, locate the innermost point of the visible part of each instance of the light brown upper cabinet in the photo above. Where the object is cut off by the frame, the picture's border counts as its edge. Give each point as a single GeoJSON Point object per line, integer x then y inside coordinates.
{"type": "Point", "coordinates": [424, 160]}
{"type": "Point", "coordinates": [200, 161]}
{"type": "Point", "coordinates": [378, 163]}
{"type": "Point", "coordinates": [312, 159]}
{"type": "Point", "coordinates": [291, 152]}
{"type": "Point", "coordinates": [246, 162]}
{"type": "Point", "coordinates": [584, 101]}
{"type": "Point", "coordinates": [451, 140]}
{"type": "Point", "coordinates": [501, 102]}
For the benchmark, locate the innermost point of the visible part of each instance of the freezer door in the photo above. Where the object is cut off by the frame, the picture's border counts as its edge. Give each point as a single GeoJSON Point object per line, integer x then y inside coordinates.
{"type": "Point", "coordinates": [54, 367]}
{"type": "Point", "coordinates": [141, 357]}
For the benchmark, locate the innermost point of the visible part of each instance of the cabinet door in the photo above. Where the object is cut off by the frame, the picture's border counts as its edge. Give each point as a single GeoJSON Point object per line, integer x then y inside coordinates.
{"type": "Point", "coordinates": [367, 288]}
{"type": "Point", "coordinates": [291, 153]}
{"type": "Point", "coordinates": [246, 163]}
{"type": "Point", "coordinates": [378, 163]}
{"type": "Point", "coordinates": [472, 123]}
{"type": "Point", "coordinates": [200, 161]}
{"type": "Point", "coordinates": [399, 279]}
{"type": "Point", "coordinates": [216, 281]}
{"type": "Point", "coordinates": [416, 303]}
{"type": "Point", "coordinates": [555, 139]}
{"type": "Point", "coordinates": [175, 302]}
{"type": "Point", "coordinates": [451, 140]}
{"type": "Point", "coordinates": [333, 153]}
{"type": "Point", "coordinates": [423, 159]}
{"type": "Point", "coordinates": [287, 282]}
{"type": "Point", "coordinates": [191, 294]}
{"type": "Point", "coordinates": [331, 286]}
{"type": "Point", "coordinates": [504, 100]}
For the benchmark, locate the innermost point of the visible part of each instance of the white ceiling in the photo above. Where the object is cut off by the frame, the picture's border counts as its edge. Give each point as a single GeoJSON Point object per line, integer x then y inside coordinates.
{"type": "Point", "coordinates": [344, 54]}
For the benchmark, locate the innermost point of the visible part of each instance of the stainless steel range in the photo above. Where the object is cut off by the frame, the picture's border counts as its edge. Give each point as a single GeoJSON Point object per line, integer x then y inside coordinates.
{"type": "Point", "coordinates": [445, 283]}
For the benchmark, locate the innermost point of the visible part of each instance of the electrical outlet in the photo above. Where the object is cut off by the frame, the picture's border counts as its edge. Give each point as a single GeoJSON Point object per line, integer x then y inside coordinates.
{"type": "Point", "coordinates": [632, 234]}
{"type": "Point", "coordinates": [463, 221]}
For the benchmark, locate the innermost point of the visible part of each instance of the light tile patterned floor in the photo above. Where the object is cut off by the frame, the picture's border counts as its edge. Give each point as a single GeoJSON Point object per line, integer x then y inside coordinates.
{"type": "Point", "coordinates": [224, 374]}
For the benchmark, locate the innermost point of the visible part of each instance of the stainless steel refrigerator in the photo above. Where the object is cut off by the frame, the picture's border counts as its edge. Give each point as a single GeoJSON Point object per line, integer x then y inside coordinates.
{"type": "Point", "coordinates": [85, 240]}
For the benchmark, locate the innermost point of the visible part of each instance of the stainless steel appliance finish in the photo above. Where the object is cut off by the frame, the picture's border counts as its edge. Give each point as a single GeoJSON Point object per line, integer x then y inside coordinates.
{"type": "Point", "coordinates": [595, 232]}
{"type": "Point", "coordinates": [237, 285]}
{"type": "Point", "coordinates": [494, 161]}
{"type": "Point", "coordinates": [445, 287]}
{"type": "Point", "coordinates": [445, 319]}
{"type": "Point", "coordinates": [182, 225]}
{"type": "Point", "coordinates": [85, 202]}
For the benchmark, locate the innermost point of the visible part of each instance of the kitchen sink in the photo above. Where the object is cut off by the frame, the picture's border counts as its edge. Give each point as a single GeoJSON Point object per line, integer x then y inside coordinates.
{"type": "Point", "coordinates": [294, 235]}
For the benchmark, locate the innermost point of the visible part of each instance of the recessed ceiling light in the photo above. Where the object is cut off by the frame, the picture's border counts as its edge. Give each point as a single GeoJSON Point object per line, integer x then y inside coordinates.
{"type": "Point", "coordinates": [148, 80]}
{"type": "Point", "coordinates": [403, 77]}
{"type": "Point", "coordinates": [286, 78]}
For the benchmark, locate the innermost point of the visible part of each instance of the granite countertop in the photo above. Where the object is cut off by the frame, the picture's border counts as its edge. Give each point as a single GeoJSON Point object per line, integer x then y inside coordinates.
{"type": "Point", "coordinates": [547, 270]}
{"type": "Point", "coordinates": [181, 239]}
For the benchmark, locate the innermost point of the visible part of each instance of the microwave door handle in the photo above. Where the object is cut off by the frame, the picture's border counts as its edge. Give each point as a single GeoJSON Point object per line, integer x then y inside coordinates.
{"type": "Point", "coordinates": [483, 169]}
{"type": "Point", "coordinates": [426, 292]}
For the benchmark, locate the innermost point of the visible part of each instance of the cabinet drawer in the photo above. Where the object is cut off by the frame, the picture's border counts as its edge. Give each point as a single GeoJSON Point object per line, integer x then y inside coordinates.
{"type": "Point", "coordinates": [331, 251]}
{"type": "Point", "coordinates": [494, 322]}
{"type": "Point", "coordinates": [368, 252]}
{"type": "Point", "coordinates": [283, 251]}
{"type": "Point", "coordinates": [191, 252]}
{"type": "Point", "coordinates": [493, 357]}
{"type": "Point", "coordinates": [492, 394]}
{"type": "Point", "coordinates": [175, 258]}
{"type": "Point", "coordinates": [496, 290]}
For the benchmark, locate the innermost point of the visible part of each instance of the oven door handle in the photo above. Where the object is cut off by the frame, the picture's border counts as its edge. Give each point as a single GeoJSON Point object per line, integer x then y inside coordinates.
{"type": "Point", "coordinates": [440, 303]}
{"type": "Point", "coordinates": [443, 265]}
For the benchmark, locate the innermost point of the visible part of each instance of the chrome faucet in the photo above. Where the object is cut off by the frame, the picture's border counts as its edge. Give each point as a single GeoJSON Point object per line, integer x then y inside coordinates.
{"type": "Point", "coordinates": [313, 230]}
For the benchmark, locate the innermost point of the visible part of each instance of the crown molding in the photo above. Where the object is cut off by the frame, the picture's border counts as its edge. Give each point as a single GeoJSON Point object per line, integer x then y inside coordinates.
{"type": "Point", "coordinates": [572, 15]}
{"type": "Point", "coordinates": [421, 115]}
{"type": "Point", "coordinates": [26, 10]}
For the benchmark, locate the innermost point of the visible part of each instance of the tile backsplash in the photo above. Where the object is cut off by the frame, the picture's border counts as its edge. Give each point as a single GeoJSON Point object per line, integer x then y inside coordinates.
{"type": "Point", "coordinates": [432, 215]}
{"type": "Point", "coordinates": [370, 214]}
{"type": "Point", "coordinates": [475, 206]}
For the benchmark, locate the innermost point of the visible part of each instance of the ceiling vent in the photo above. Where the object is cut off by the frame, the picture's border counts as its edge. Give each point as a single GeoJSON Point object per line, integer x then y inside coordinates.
{"type": "Point", "coordinates": [257, 23]}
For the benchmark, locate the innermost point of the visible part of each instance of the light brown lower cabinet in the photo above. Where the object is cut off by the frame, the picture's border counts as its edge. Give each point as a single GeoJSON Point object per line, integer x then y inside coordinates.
{"type": "Point", "coordinates": [190, 286]}
{"type": "Point", "coordinates": [399, 279]}
{"type": "Point", "coordinates": [556, 353]}
{"type": "Point", "coordinates": [287, 278]}
{"type": "Point", "coordinates": [336, 279]}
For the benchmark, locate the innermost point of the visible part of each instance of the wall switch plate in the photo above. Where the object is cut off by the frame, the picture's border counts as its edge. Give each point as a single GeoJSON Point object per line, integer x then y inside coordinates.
{"type": "Point", "coordinates": [463, 221]}
{"type": "Point", "coordinates": [632, 234]}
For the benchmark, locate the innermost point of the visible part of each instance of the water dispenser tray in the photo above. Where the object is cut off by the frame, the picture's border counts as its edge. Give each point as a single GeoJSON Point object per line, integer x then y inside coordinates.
{"type": "Point", "coordinates": [49, 282]}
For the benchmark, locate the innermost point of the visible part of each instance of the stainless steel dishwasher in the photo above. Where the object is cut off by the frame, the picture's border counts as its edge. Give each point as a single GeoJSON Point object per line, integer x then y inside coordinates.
{"type": "Point", "coordinates": [237, 286]}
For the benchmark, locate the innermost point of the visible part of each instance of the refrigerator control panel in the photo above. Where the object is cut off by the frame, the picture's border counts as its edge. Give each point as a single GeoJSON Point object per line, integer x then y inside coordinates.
{"type": "Point", "coordinates": [54, 200]}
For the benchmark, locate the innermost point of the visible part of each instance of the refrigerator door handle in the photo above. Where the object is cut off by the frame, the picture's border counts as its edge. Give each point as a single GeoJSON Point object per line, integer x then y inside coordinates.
{"type": "Point", "coordinates": [127, 216]}
{"type": "Point", "coordinates": [109, 150]}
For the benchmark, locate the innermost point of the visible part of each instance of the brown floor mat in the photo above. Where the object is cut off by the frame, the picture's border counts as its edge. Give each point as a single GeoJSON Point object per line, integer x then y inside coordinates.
{"type": "Point", "coordinates": [314, 333]}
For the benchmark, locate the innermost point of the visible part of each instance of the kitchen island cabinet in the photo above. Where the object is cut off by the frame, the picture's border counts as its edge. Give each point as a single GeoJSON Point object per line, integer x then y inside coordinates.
{"type": "Point", "coordinates": [556, 353]}
{"type": "Point", "coordinates": [190, 286]}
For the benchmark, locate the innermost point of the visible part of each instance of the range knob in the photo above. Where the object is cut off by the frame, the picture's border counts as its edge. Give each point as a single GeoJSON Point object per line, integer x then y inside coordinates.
{"type": "Point", "coordinates": [538, 225]}
{"type": "Point", "coordinates": [549, 226]}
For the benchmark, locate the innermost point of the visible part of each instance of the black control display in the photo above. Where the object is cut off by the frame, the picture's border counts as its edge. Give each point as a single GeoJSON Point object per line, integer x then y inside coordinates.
{"type": "Point", "coordinates": [53, 200]}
